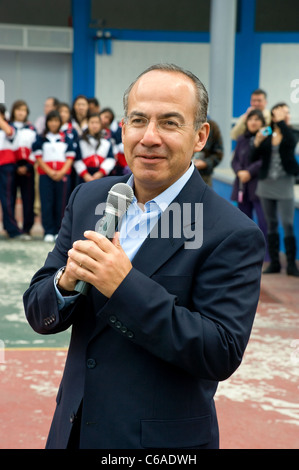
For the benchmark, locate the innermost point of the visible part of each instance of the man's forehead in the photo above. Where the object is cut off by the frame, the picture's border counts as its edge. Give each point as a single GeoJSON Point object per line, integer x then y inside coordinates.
{"type": "Point", "coordinates": [163, 84]}
{"type": "Point", "coordinates": [259, 96]}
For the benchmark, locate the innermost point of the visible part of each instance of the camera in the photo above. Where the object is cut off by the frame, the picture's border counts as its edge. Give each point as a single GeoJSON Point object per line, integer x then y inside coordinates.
{"type": "Point", "coordinates": [266, 131]}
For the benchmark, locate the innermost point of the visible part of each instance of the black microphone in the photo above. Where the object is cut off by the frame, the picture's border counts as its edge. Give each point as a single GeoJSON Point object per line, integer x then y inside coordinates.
{"type": "Point", "coordinates": [119, 198]}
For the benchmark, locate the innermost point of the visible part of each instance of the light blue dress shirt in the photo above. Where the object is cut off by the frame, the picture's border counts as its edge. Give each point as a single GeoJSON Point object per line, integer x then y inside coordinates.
{"type": "Point", "coordinates": [138, 221]}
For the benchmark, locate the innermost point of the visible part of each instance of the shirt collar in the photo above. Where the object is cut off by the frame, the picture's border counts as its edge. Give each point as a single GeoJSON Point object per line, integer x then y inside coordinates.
{"type": "Point", "coordinates": [164, 199]}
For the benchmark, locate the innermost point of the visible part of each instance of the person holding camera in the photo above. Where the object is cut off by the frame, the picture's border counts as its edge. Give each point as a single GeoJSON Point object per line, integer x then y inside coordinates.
{"type": "Point", "coordinates": [246, 171]}
{"type": "Point", "coordinates": [276, 185]}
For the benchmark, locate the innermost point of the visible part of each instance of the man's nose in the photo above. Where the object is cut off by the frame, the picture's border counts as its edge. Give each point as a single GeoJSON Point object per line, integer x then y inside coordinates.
{"type": "Point", "coordinates": [151, 134]}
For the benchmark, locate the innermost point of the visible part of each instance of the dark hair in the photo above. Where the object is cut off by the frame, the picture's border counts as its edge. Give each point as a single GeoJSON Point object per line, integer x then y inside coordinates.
{"type": "Point", "coordinates": [73, 112]}
{"type": "Point", "coordinates": [52, 115]}
{"type": "Point", "coordinates": [64, 105]}
{"type": "Point", "coordinates": [258, 113]}
{"type": "Point", "coordinates": [201, 92]}
{"type": "Point", "coordinates": [259, 91]}
{"type": "Point", "coordinates": [278, 105]}
{"type": "Point", "coordinates": [94, 101]}
{"type": "Point", "coordinates": [2, 109]}
{"type": "Point", "coordinates": [16, 105]}
{"type": "Point", "coordinates": [108, 110]}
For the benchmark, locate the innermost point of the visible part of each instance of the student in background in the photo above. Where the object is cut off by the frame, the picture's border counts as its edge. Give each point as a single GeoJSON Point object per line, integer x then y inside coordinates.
{"type": "Point", "coordinates": [95, 157]}
{"type": "Point", "coordinates": [24, 138]}
{"type": "Point", "coordinates": [55, 154]}
{"type": "Point", "coordinates": [93, 106]}
{"type": "Point", "coordinates": [107, 117]}
{"type": "Point", "coordinates": [67, 125]}
{"type": "Point", "coordinates": [71, 132]}
{"type": "Point", "coordinates": [79, 113]}
{"type": "Point", "coordinates": [7, 176]}
{"type": "Point", "coordinates": [121, 167]}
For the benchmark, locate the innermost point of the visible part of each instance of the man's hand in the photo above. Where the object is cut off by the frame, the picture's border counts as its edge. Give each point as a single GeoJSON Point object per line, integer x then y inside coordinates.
{"type": "Point", "coordinates": [97, 261]}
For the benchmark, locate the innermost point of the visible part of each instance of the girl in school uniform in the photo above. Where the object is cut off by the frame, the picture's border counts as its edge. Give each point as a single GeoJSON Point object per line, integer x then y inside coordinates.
{"type": "Point", "coordinates": [7, 176]}
{"type": "Point", "coordinates": [71, 132]}
{"type": "Point", "coordinates": [24, 138]}
{"type": "Point", "coordinates": [55, 154]}
{"type": "Point", "coordinates": [79, 113]}
{"type": "Point", "coordinates": [94, 157]}
{"type": "Point", "coordinates": [121, 167]}
{"type": "Point", "coordinates": [67, 125]}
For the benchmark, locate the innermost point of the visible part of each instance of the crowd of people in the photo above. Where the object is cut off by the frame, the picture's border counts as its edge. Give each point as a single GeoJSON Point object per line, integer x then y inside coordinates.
{"type": "Point", "coordinates": [46, 159]}
{"type": "Point", "coordinates": [266, 168]}
{"type": "Point", "coordinates": [69, 145]}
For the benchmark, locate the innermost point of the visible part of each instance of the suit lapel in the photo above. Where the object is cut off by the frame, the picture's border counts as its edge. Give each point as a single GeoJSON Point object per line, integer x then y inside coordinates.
{"type": "Point", "coordinates": [173, 229]}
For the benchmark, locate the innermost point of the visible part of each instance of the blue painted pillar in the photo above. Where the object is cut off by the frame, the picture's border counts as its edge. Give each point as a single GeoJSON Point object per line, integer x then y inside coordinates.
{"type": "Point", "coordinates": [247, 57]}
{"type": "Point", "coordinates": [222, 50]}
{"type": "Point", "coordinates": [84, 49]}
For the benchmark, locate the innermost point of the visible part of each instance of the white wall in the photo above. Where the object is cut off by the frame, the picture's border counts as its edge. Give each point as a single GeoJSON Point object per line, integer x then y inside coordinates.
{"type": "Point", "coordinates": [114, 73]}
{"type": "Point", "coordinates": [279, 68]}
{"type": "Point", "coordinates": [33, 76]}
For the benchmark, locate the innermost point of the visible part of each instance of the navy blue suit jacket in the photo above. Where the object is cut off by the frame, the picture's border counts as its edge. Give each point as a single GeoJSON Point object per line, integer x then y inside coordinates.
{"type": "Point", "coordinates": [147, 361]}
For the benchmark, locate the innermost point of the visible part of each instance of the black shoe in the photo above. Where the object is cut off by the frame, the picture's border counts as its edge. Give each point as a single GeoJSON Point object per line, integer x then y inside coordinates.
{"type": "Point", "coordinates": [290, 246]}
{"type": "Point", "coordinates": [273, 248]}
{"type": "Point", "coordinates": [272, 268]}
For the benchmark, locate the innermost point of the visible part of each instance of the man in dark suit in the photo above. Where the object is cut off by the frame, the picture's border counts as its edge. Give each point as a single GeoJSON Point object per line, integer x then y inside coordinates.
{"type": "Point", "coordinates": [168, 315]}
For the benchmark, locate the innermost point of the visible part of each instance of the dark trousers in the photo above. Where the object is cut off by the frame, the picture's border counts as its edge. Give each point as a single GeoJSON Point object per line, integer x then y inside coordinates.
{"type": "Point", "coordinates": [26, 185]}
{"type": "Point", "coordinates": [53, 197]}
{"type": "Point", "coordinates": [8, 199]}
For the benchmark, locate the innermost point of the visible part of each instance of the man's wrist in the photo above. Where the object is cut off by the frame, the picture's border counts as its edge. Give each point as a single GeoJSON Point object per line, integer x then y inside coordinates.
{"type": "Point", "coordinates": [63, 291]}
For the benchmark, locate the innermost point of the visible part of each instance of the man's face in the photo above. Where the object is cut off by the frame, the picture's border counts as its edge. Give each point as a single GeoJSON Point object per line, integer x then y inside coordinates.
{"type": "Point", "coordinates": [258, 101]}
{"type": "Point", "coordinates": [156, 157]}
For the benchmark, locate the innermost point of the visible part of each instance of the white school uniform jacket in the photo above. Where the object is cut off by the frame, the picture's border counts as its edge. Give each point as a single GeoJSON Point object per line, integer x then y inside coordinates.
{"type": "Point", "coordinates": [94, 154]}
{"type": "Point", "coordinates": [7, 155]}
{"type": "Point", "coordinates": [22, 143]}
{"type": "Point", "coordinates": [54, 149]}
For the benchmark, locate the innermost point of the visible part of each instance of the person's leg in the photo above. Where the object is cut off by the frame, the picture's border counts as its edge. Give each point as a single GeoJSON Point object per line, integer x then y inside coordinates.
{"type": "Point", "coordinates": [26, 184]}
{"type": "Point", "coordinates": [286, 210]}
{"type": "Point", "coordinates": [8, 199]}
{"type": "Point", "coordinates": [270, 211]}
{"type": "Point", "coordinates": [47, 203]}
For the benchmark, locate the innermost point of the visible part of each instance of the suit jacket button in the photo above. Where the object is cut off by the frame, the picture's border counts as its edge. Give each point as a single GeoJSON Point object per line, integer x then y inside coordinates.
{"type": "Point", "coordinates": [112, 318]}
{"type": "Point", "coordinates": [72, 417]}
{"type": "Point", "coordinates": [124, 329]}
{"type": "Point", "coordinates": [91, 363]}
{"type": "Point", "coordinates": [130, 334]}
{"type": "Point", "coordinates": [118, 324]}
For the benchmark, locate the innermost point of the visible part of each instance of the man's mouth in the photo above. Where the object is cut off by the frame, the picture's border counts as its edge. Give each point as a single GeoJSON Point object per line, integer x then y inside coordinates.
{"type": "Point", "coordinates": [150, 157]}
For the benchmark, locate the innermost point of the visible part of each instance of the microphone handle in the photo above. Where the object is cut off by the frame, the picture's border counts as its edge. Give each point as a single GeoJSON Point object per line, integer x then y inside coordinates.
{"type": "Point", "coordinates": [107, 227]}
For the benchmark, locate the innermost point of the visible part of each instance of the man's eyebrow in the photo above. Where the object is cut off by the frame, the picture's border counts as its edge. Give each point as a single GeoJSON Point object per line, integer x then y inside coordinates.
{"type": "Point", "coordinates": [171, 114]}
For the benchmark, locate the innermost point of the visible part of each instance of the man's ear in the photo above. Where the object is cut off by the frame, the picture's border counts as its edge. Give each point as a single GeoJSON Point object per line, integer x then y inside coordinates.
{"type": "Point", "coordinates": [122, 128]}
{"type": "Point", "coordinates": [202, 135]}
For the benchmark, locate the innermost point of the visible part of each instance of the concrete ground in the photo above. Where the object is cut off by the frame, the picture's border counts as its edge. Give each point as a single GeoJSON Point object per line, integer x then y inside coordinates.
{"type": "Point", "coordinates": [258, 407]}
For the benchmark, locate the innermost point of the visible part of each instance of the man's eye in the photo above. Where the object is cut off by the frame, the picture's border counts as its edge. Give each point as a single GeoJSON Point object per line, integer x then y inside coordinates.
{"type": "Point", "coordinates": [168, 124]}
{"type": "Point", "coordinates": [138, 121]}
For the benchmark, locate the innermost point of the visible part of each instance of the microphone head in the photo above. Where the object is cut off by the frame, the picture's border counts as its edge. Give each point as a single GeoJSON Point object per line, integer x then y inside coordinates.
{"type": "Point", "coordinates": [120, 197]}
